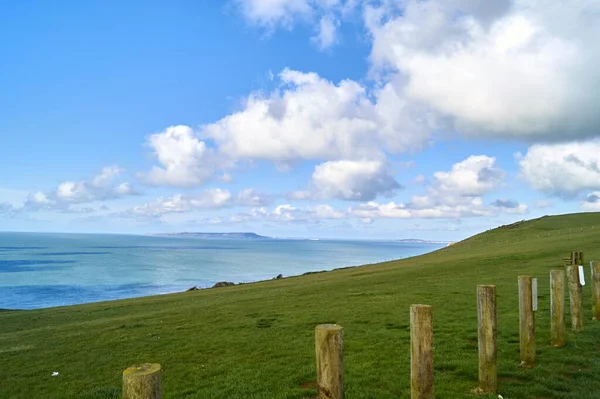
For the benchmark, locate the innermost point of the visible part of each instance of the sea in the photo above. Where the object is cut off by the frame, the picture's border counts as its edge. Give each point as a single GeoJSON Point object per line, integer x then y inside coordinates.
{"type": "Point", "coordinates": [40, 270]}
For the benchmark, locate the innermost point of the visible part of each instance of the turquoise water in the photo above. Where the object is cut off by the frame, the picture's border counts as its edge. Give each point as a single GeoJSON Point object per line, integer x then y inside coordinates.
{"type": "Point", "coordinates": [45, 270]}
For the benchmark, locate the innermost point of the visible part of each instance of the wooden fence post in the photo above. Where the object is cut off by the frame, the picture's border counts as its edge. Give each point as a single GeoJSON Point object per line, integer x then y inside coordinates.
{"type": "Point", "coordinates": [526, 322]}
{"type": "Point", "coordinates": [596, 290]}
{"type": "Point", "coordinates": [329, 348]}
{"type": "Point", "coordinates": [575, 295]}
{"type": "Point", "coordinates": [142, 382]}
{"type": "Point", "coordinates": [487, 332]}
{"type": "Point", "coordinates": [557, 308]}
{"type": "Point", "coordinates": [421, 352]}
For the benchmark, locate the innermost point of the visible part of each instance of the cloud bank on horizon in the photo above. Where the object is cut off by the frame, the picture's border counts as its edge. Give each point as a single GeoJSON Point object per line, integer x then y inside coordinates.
{"type": "Point", "coordinates": [514, 83]}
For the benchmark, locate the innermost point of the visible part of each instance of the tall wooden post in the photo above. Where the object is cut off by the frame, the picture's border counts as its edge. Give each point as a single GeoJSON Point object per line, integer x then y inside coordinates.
{"type": "Point", "coordinates": [573, 258]}
{"type": "Point", "coordinates": [575, 298]}
{"type": "Point", "coordinates": [329, 348]}
{"type": "Point", "coordinates": [421, 352]}
{"type": "Point", "coordinates": [596, 290]}
{"type": "Point", "coordinates": [487, 332]}
{"type": "Point", "coordinates": [580, 258]}
{"type": "Point", "coordinates": [526, 322]}
{"type": "Point", "coordinates": [142, 382]}
{"type": "Point", "coordinates": [557, 308]}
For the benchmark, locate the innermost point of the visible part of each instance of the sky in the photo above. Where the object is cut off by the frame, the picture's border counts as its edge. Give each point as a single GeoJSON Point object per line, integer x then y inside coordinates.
{"type": "Point", "coordinates": [297, 118]}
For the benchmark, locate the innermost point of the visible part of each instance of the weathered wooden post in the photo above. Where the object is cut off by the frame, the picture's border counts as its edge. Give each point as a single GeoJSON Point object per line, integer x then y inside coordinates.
{"type": "Point", "coordinates": [526, 322]}
{"type": "Point", "coordinates": [421, 352]}
{"type": "Point", "coordinates": [575, 300]}
{"type": "Point", "coordinates": [142, 382]}
{"type": "Point", "coordinates": [329, 348]}
{"type": "Point", "coordinates": [580, 258]}
{"type": "Point", "coordinates": [596, 290]}
{"type": "Point", "coordinates": [557, 308]}
{"type": "Point", "coordinates": [487, 332]}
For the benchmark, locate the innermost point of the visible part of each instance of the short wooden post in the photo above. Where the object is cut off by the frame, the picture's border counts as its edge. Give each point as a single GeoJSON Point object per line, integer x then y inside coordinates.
{"type": "Point", "coordinates": [486, 317]}
{"type": "Point", "coordinates": [596, 290]}
{"type": "Point", "coordinates": [575, 300]}
{"type": "Point", "coordinates": [329, 348]}
{"type": "Point", "coordinates": [573, 258]}
{"type": "Point", "coordinates": [142, 382]}
{"type": "Point", "coordinates": [557, 308]}
{"type": "Point", "coordinates": [421, 352]}
{"type": "Point", "coordinates": [526, 322]}
{"type": "Point", "coordinates": [580, 258]}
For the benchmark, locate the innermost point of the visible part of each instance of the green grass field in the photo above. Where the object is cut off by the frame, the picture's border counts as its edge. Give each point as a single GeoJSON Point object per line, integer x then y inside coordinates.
{"type": "Point", "coordinates": [257, 340]}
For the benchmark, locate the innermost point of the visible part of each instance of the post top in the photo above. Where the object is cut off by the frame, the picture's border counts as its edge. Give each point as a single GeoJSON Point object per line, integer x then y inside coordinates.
{"type": "Point", "coordinates": [146, 368]}
{"type": "Point", "coordinates": [335, 327]}
{"type": "Point", "coordinates": [417, 305]}
{"type": "Point", "coordinates": [486, 285]}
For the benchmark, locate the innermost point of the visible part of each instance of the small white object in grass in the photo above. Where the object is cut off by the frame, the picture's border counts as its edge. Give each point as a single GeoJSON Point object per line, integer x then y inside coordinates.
{"type": "Point", "coordinates": [500, 397]}
{"type": "Point", "coordinates": [54, 373]}
{"type": "Point", "coordinates": [581, 275]}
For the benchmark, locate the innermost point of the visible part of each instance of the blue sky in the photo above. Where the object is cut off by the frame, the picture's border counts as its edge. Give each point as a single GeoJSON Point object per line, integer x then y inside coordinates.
{"type": "Point", "coordinates": [308, 118]}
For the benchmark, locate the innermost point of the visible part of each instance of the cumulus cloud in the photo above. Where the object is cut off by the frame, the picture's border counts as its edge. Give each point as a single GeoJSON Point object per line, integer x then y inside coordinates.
{"type": "Point", "coordinates": [327, 32]}
{"type": "Point", "coordinates": [510, 206]}
{"type": "Point", "coordinates": [452, 194]}
{"type": "Point", "coordinates": [185, 160]}
{"type": "Point", "coordinates": [592, 202]}
{"type": "Point", "coordinates": [101, 187]}
{"type": "Point", "coordinates": [475, 176]}
{"type": "Point", "coordinates": [351, 181]}
{"type": "Point", "coordinates": [212, 198]}
{"type": "Point", "coordinates": [271, 14]}
{"type": "Point", "coordinates": [206, 199]}
{"type": "Point", "coordinates": [563, 170]}
{"type": "Point", "coordinates": [309, 117]}
{"type": "Point", "coordinates": [514, 69]}
{"type": "Point", "coordinates": [289, 213]}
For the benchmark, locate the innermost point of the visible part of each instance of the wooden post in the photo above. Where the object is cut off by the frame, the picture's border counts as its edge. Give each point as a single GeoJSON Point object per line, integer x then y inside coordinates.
{"type": "Point", "coordinates": [329, 348]}
{"type": "Point", "coordinates": [573, 256]}
{"type": "Point", "coordinates": [575, 295]}
{"type": "Point", "coordinates": [580, 258]}
{"type": "Point", "coordinates": [421, 352]}
{"type": "Point", "coordinates": [486, 317]}
{"type": "Point", "coordinates": [557, 308]}
{"type": "Point", "coordinates": [596, 290]}
{"type": "Point", "coordinates": [526, 322]}
{"type": "Point", "coordinates": [142, 382]}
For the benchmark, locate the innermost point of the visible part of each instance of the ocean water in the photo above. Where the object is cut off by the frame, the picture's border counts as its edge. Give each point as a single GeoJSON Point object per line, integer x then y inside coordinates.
{"type": "Point", "coordinates": [45, 270]}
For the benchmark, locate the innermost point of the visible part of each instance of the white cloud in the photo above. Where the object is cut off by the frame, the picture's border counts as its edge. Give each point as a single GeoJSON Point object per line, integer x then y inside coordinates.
{"type": "Point", "coordinates": [520, 69]}
{"type": "Point", "coordinates": [475, 176]}
{"type": "Point", "coordinates": [290, 214]}
{"type": "Point", "coordinates": [185, 160]}
{"type": "Point", "coordinates": [309, 117]}
{"type": "Point", "coordinates": [353, 180]}
{"type": "Point", "coordinates": [510, 206]}
{"type": "Point", "coordinates": [452, 194]}
{"type": "Point", "coordinates": [101, 187]}
{"type": "Point", "coordinates": [252, 197]}
{"type": "Point", "coordinates": [207, 199]}
{"type": "Point", "coordinates": [374, 210]}
{"type": "Point", "coordinates": [270, 13]}
{"type": "Point", "coordinates": [564, 170]}
{"type": "Point", "coordinates": [179, 203]}
{"type": "Point", "coordinates": [591, 202]}
{"type": "Point", "coordinates": [327, 32]}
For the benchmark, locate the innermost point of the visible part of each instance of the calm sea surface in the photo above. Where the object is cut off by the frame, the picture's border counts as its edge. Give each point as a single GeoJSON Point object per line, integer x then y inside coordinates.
{"type": "Point", "coordinates": [44, 270]}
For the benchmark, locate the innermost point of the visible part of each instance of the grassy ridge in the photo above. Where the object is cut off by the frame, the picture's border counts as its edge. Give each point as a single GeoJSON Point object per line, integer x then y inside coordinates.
{"type": "Point", "coordinates": [257, 340]}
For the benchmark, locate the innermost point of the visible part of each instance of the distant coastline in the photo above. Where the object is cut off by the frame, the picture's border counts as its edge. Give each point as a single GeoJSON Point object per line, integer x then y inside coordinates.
{"type": "Point", "coordinates": [252, 236]}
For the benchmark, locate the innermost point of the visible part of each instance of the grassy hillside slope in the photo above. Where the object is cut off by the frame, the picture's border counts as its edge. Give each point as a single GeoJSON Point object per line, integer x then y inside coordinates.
{"type": "Point", "coordinates": [257, 340]}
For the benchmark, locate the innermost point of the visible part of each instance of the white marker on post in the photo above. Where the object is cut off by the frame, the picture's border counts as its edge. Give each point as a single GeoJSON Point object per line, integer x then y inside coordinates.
{"type": "Point", "coordinates": [581, 275]}
{"type": "Point", "coordinates": [534, 296]}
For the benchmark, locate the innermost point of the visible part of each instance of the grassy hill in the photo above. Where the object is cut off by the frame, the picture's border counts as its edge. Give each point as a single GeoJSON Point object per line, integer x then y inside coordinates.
{"type": "Point", "coordinates": [257, 340]}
